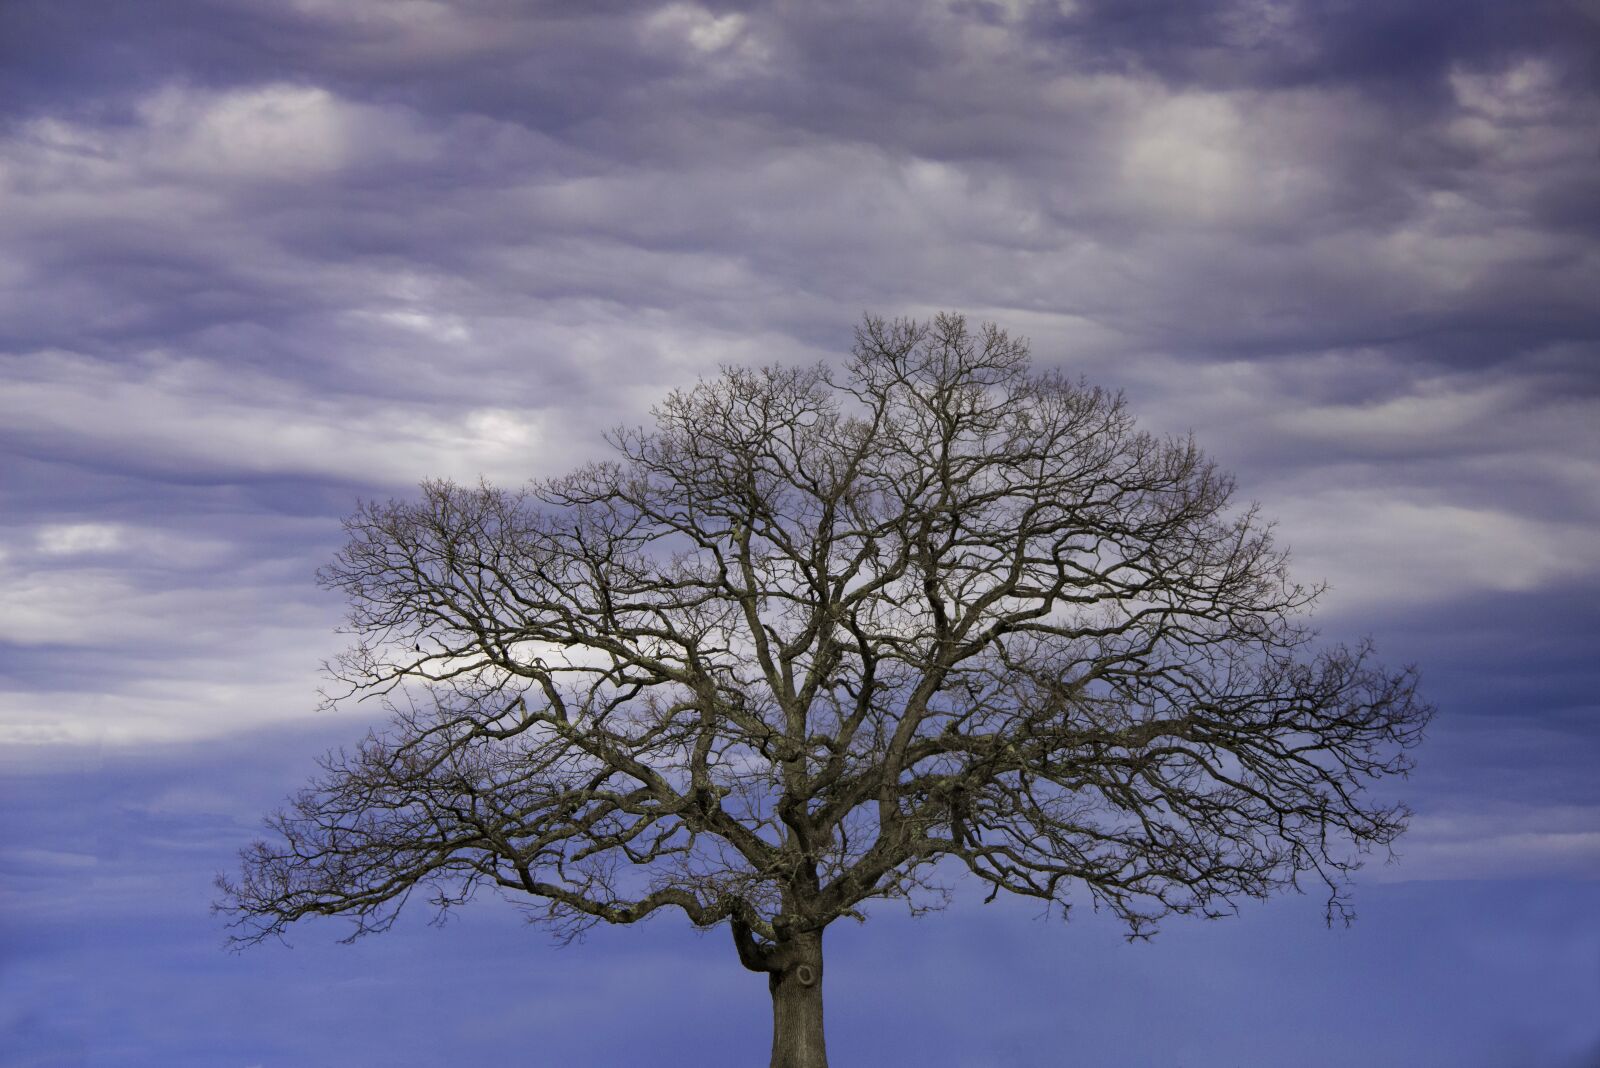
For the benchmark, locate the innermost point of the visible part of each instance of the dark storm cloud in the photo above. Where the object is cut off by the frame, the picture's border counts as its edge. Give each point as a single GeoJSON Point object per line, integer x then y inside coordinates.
{"type": "Point", "coordinates": [887, 156]}
{"type": "Point", "coordinates": [1407, 47]}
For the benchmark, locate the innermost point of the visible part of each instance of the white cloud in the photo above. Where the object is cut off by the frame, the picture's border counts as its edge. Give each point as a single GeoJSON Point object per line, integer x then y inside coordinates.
{"type": "Point", "coordinates": [71, 539]}
{"type": "Point", "coordinates": [1398, 484]}
{"type": "Point", "coordinates": [272, 132]}
{"type": "Point", "coordinates": [1499, 841]}
{"type": "Point", "coordinates": [1185, 156]}
{"type": "Point", "coordinates": [440, 327]}
{"type": "Point", "coordinates": [1376, 547]}
{"type": "Point", "coordinates": [189, 414]}
{"type": "Point", "coordinates": [53, 858]}
{"type": "Point", "coordinates": [173, 659]}
{"type": "Point", "coordinates": [1445, 412]}
{"type": "Point", "coordinates": [189, 135]}
{"type": "Point", "coordinates": [1527, 89]}
{"type": "Point", "coordinates": [727, 38]}
{"type": "Point", "coordinates": [202, 705]}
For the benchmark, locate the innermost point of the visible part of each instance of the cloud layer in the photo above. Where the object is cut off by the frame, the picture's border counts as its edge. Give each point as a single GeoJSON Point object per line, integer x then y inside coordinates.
{"type": "Point", "coordinates": [264, 259]}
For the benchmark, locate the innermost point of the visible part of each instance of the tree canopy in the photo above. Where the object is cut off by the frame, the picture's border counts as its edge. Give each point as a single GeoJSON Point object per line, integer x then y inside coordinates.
{"type": "Point", "coordinates": [820, 636]}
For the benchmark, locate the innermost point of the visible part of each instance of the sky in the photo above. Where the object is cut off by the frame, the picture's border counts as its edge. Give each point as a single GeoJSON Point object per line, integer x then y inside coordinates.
{"type": "Point", "coordinates": [259, 261]}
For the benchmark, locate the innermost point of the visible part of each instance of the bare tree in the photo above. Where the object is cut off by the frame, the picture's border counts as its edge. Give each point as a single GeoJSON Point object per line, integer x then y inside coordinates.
{"type": "Point", "coordinates": [818, 634]}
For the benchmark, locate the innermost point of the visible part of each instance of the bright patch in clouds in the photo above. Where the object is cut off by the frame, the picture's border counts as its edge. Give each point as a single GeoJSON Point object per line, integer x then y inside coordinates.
{"type": "Point", "coordinates": [1376, 549]}
{"type": "Point", "coordinates": [448, 328]}
{"type": "Point", "coordinates": [192, 415]}
{"type": "Point", "coordinates": [1501, 840]}
{"type": "Point", "coordinates": [274, 132]}
{"type": "Point", "coordinates": [270, 133]}
{"type": "Point", "coordinates": [1184, 157]}
{"type": "Point", "coordinates": [71, 539]}
{"type": "Point", "coordinates": [725, 36]}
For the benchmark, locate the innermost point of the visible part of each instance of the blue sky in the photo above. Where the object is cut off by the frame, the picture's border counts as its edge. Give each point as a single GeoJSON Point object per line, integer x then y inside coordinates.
{"type": "Point", "coordinates": [258, 261]}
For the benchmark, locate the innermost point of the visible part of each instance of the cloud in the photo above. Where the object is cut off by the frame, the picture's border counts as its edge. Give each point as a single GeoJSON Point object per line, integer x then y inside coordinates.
{"type": "Point", "coordinates": [263, 260]}
{"type": "Point", "coordinates": [1500, 841]}
{"type": "Point", "coordinates": [722, 43]}
{"type": "Point", "coordinates": [198, 417]}
{"type": "Point", "coordinates": [70, 539]}
{"type": "Point", "coordinates": [1375, 549]}
{"type": "Point", "coordinates": [316, 251]}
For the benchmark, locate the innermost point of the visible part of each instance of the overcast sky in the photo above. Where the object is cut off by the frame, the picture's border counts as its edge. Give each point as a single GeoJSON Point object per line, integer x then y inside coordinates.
{"type": "Point", "coordinates": [262, 258]}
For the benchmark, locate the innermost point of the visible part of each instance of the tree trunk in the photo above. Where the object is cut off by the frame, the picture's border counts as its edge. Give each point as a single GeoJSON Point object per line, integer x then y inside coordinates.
{"type": "Point", "coordinates": [796, 986]}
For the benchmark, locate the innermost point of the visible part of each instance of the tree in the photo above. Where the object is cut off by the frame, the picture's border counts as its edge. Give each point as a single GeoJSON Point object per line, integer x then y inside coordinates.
{"type": "Point", "coordinates": [819, 633]}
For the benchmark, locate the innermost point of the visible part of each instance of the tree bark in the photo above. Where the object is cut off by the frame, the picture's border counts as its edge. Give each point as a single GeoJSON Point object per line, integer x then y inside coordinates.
{"type": "Point", "coordinates": [793, 968]}
{"type": "Point", "coordinates": [796, 986]}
